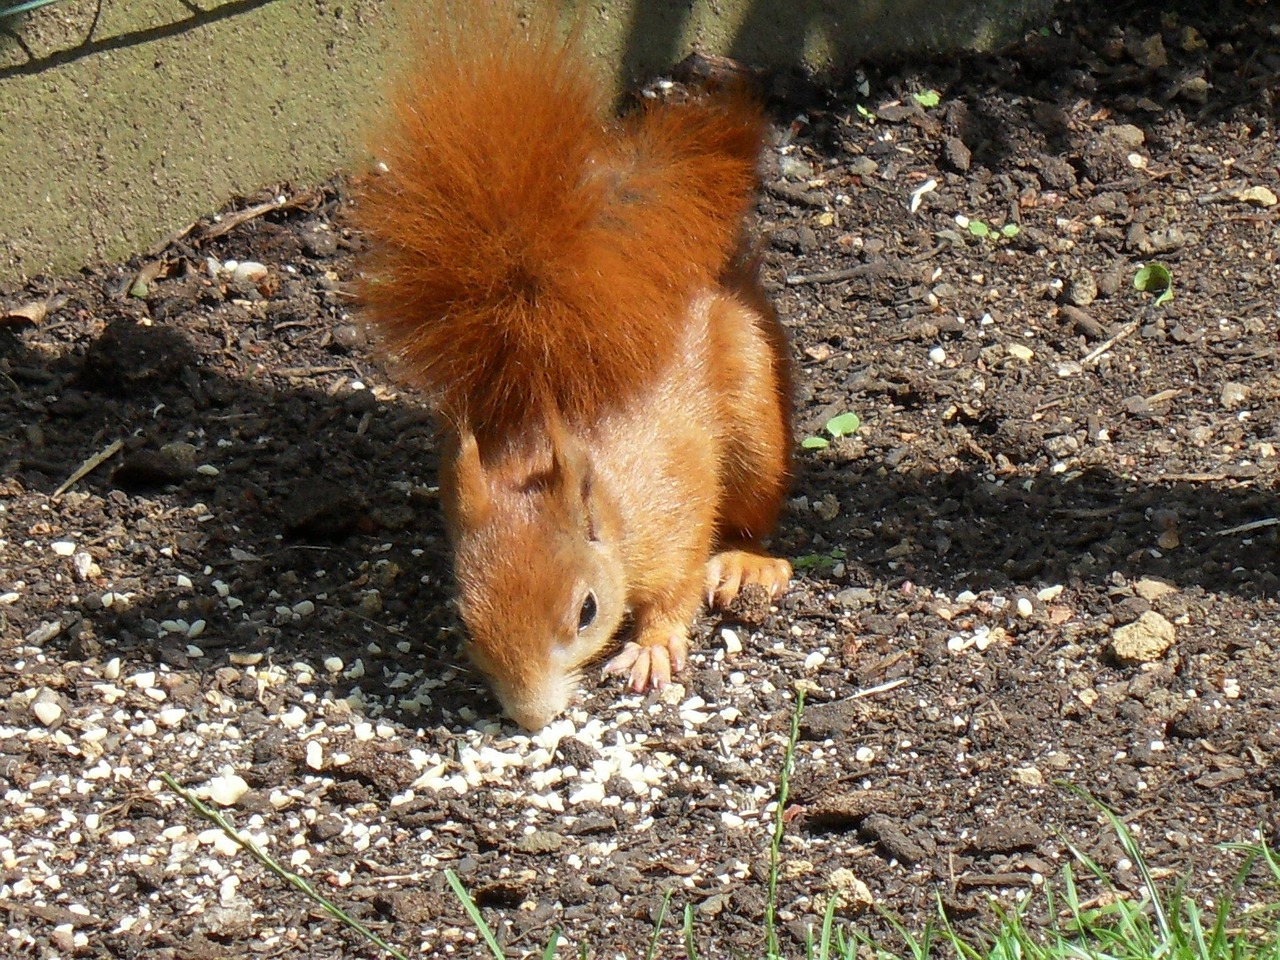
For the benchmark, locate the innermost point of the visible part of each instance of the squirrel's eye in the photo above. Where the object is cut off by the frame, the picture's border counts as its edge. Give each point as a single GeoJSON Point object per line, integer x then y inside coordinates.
{"type": "Point", "coordinates": [587, 615]}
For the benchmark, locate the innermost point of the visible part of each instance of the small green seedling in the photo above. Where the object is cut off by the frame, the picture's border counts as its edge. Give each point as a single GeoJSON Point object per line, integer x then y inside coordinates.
{"type": "Point", "coordinates": [1155, 278]}
{"type": "Point", "coordinates": [865, 113]}
{"type": "Point", "coordinates": [927, 98]}
{"type": "Point", "coordinates": [821, 563]}
{"type": "Point", "coordinates": [844, 425]}
{"type": "Point", "coordinates": [980, 229]}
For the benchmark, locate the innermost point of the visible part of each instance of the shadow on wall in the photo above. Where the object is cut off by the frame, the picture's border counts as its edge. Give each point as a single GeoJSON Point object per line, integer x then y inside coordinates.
{"type": "Point", "coordinates": [791, 33]}
{"type": "Point", "coordinates": [27, 62]}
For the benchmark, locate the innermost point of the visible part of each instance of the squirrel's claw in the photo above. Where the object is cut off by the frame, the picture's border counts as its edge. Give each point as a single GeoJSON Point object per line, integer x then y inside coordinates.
{"type": "Point", "coordinates": [650, 665]}
{"type": "Point", "coordinates": [731, 570]}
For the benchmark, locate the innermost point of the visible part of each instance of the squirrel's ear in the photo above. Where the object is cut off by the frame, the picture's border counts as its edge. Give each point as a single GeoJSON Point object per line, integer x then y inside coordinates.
{"type": "Point", "coordinates": [570, 474]}
{"type": "Point", "coordinates": [470, 483]}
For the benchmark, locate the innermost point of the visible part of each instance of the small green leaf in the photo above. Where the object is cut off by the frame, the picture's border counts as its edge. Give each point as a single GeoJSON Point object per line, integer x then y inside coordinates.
{"type": "Point", "coordinates": [843, 425]}
{"type": "Point", "coordinates": [979, 229]}
{"type": "Point", "coordinates": [815, 443]}
{"type": "Point", "coordinates": [928, 98]}
{"type": "Point", "coordinates": [864, 112]}
{"type": "Point", "coordinates": [1010, 230]}
{"type": "Point", "coordinates": [1155, 278]}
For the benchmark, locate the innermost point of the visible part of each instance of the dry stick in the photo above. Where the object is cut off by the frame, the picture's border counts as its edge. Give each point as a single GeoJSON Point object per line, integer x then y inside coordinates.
{"type": "Point", "coordinates": [1250, 527]}
{"type": "Point", "coordinates": [269, 862]}
{"type": "Point", "coordinates": [1099, 351]}
{"type": "Point", "coordinates": [89, 465]}
{"type": "Point", "coordinates": [232, 220]}
{"type": "Point", "coordinates": [881, 688]}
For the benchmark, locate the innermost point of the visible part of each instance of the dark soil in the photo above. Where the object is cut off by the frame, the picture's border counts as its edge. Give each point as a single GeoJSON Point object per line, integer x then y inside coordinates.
{"type": "Point", "coordinates": [256, 582]}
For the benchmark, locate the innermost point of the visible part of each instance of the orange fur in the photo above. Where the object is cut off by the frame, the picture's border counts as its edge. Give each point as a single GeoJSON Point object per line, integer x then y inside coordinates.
{"type": "Point", "coordinates": [575, 292]}
{"type": "Point", "coordinates": [530, 250]}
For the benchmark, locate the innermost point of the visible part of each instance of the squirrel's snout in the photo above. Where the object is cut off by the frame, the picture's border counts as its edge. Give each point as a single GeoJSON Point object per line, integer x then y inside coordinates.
{"type": "Point", "coordinates": [536, 706]}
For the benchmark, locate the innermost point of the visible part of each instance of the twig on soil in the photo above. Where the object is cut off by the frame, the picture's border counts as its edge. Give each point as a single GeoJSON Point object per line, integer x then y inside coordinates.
{"type": "Point", "coordinates": [1164, 395]}
{"type": "Point", "coordinates": [827, 276]}
{"type": "Point", "coordinates": [88, 466]}
{"type": "Point", "coordinates": [878, 688]}
{"type": "Point", "coordinates": [1098, 351]}
{"type": "Point", "coordinates": [264, 858]}
{"type": "Point", "coordinates": [233, 220]}
{"type": "Point", "coordinates": [1249, 527]}
{"type": "Point", "coordinates": [309, 371]}
{"type": "Point", "coordinates": [1197, 478]}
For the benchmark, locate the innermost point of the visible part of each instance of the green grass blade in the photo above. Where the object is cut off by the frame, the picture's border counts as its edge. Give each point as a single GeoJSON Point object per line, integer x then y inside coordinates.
{"type": "Point", "coordinates": [473, 912]}
{"type": "Point", "coordinates": [690, 947]}
{"type": "Point", "coordinates": [288, 876]}
{"type": "Point", "coordinates": [657, 925]}
{"type": "Point", "coordinates": [784, 787]}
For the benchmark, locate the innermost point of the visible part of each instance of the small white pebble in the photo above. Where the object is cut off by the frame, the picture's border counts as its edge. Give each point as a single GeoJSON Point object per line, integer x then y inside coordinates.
{"type": "Point", "coordinates": [222, 589]}
{"type": "Point", "coordinates": [864, 754]}
{"type": "Point", "coordinates": [732, 820]}
{"type": "Point", "coordinates": [207, 470]}
{"type": "Point", "coordinates": [48, 712]}
{"type": "Point", "coordinates": [587, 793]}
{"type": "Point", "coordinates": [63, 548]}
{"type": "Point", "coordinates": [732, 644]}
{"type": "Point", "coordinates": [304, 608]}
{"type": "Point", "coordinates": [315, 755]}
{"type": "Point", "coordinates": [1021, 351]}
{"type": "Point", "coordinates": [1049, 594]}
{"type": "Point", "coordinates": [334, 664]}
{"type": "Point", "coordinates": [171, 716]}
{"type": "Point", "coordinates": [227, 789]}
{"type": "Point", "coordinates": [814, 660]}
{"type": "Point", "coordinates": [84, 565]}
{"type": "Point", "coordinates": [195, 629]}
{"type": "Point", "coordinates": [184, 581]}
{"type": "Point", "coordinates": [1024, 607]}
{"type": "Point", "coordinates": [938, 355]}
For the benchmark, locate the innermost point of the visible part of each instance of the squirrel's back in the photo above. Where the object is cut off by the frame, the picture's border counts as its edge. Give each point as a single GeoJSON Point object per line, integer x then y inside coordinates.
{"type": "Point", "coordinates": [527, 248]}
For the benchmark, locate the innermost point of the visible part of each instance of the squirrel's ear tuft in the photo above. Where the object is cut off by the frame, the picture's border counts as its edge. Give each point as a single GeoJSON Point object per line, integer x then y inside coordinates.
{"type": "Point", "coordinates": [473, 500]}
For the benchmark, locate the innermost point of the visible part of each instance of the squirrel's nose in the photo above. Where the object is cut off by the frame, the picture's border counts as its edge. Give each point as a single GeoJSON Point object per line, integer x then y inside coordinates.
{"type": "Point", "coordinates": [537, 705]}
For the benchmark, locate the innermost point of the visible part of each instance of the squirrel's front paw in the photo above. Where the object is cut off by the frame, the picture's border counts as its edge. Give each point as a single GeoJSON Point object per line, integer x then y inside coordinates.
{"type": "Point", "coordinates": [730, 570]}
{"type": "Point", "coordinates": [650, 662]}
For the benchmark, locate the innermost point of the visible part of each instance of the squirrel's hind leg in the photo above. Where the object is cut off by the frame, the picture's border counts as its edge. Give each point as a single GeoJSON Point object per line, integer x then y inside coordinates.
{"type": "Point", "coordinates": [754, 386]}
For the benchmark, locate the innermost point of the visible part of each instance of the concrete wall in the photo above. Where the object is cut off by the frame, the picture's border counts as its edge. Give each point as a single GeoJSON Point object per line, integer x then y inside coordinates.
{"type": "Point", "coordinates": [122, 122]}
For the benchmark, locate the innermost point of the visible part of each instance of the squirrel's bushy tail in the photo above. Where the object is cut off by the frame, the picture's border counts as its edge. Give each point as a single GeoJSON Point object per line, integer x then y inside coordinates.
{"type": "Point", "coordinates": [528, 249]}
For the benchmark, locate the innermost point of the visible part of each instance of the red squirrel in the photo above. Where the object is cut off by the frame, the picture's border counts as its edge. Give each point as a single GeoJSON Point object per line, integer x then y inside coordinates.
{"type": "Point", "coordinates": [576, 292]}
